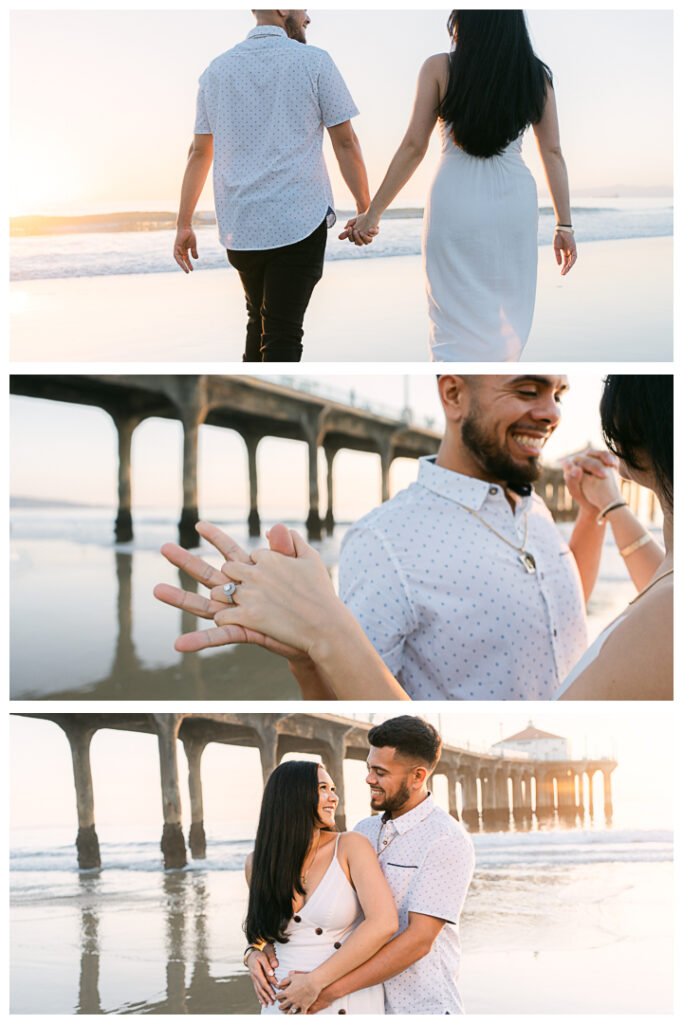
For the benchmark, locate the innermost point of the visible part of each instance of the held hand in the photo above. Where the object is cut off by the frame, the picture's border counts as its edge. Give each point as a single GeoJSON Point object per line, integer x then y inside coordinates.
{"type": "Point", "coordinates": [591, 479]}
{"type": "Point", "coordinates": [206, 608]}
{"type": "Point", "coordinates": [299, 992]}
{"type": "Point", "coordinates": [262, 967]}
{"type": "Point", "coordinates": [361, 229]}
{"type": "Point", "coordinates": [565, 250]}
{"type": "Point", "coordinates": [185, 243]}
{"type": "Point", "coordinates": [322, 1002]}
{"type": "Point", "coordinates": [289, 599]}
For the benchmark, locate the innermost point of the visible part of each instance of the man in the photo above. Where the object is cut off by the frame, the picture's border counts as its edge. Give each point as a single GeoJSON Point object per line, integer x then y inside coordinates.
{"type": "Point", "coordinates": [462, 582]}
{"type": "Point", "coordinates": [427, 859]}
{"type": "Point", "coordinates": [261, 110]}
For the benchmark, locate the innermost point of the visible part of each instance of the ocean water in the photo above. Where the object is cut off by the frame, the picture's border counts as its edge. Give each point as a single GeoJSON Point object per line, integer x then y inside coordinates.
{"type": "Point", "coordinates": [556, 921]}
{"type": "Point", "coordinates": [108, 638]}
{"type": "Point", "coordinates": [142, 242]}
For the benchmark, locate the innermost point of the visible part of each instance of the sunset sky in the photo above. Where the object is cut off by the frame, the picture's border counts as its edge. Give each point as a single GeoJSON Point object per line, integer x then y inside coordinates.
{"type": "Point", "coordinates": [68, 452]}
{"type": "Point", "coordinates": [127, 763]}
{"type": "Point", "coordinates": [102, 102]}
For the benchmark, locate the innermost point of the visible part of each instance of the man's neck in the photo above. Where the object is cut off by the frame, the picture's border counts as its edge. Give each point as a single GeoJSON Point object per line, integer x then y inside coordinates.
{"type": "Point", "coordinates": [411, 804]}
{"type": "Point", "coordinates": [269, 19]}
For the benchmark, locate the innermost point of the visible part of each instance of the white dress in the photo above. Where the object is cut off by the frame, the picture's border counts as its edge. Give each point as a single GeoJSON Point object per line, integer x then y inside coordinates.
{"type": "Point", "coordinates": [316, 932]}
{"type": "Point", "coordinates": [480, 249]}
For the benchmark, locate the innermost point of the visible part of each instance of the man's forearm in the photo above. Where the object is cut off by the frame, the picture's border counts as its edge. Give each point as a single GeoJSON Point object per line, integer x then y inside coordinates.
{"type": "Point", "coordinates": [352, 167]}
{"type": "Point", "coordinates": [586, 546]}
{"type": "Point", "coordinates": [194, 179]}
{"type": "Point", "coordinates": [387, 962]}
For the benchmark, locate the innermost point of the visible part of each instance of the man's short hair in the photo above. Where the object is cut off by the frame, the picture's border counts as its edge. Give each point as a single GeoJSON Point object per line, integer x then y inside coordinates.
{"type": "Point", "coordinates": [411, 737]}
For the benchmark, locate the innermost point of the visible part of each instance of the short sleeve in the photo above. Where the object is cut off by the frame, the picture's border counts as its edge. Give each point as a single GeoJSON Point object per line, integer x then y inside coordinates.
{"type": "Point", "coordinates": [201, 123]}
{"type": "Point", "coordinates": [336, 104]}
{"type": "Point", "coordinates": [442, 880]}
{"type": "Point", "coordinates": [371, 587]}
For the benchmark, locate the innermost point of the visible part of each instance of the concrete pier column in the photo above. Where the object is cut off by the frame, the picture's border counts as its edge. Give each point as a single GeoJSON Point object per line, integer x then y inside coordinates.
{"type": "Point", "coordinates": [591, 806]}
{"type": "Point", "coordinates": [125, 424]}
{"type": "Point", "coordinates": [193, 410]}
{"type": "Point", "coordinates": [578, 782]}
{"type": "Point", "coordinates": [87, 843]}
{"type": "Point", "coordinates": [334, 762]}
{"type": "Point", "coordinates": [313, 520]}
{"type": "Point", "coordinates": [517, 796]}
{"type": "Point", "coordinates": [194, 748]}
{"type": "Point", "coordinates": [566, 794]}
{"type": "Point", "coordinates": [452, 780]}
{"type": "Point", "coordinates": [254, 521]}
{"type": "Point", "coordinates": [172, 840]}
{"type": "Point", "coordinates": [470, 809]}
{"type": "Point", "coordinates": [330, 453]}
{"type": "Point", "coordinates": [526, 800]}
{"type": "Point", "coordinates": [545, 794]}
{"type": "Point", "coordinates": [607, 776]}
{"type": "Point", "coordinates": [502, 799]}
{"type": "Point", "coordinates": [386, 455]}
{"type": "Point", "coordinates": [268, 751]}
{"type": "Point", "coordinates": [488, 797]}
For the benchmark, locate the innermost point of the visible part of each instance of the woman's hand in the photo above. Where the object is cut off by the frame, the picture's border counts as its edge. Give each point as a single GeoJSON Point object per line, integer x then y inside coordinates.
{"type": "Point", "coordinates": [299, 991]}
{"type": "Point", "coordinates": [565, 250]}
{"type": "Point", "coordinates": [361, 229]}
{"type": "Point", "coordinates": [291, 600]}
{"type": "Point", "coordinates": [591, 479]}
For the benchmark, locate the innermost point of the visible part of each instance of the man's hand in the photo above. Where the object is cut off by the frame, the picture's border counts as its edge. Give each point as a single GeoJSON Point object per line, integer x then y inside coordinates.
{"type": "Point", "coordinates": [591, 479]}
{"type": "Point", "coordinates": [185, 243]}
{"type": "Point", "coordinates": [360, 230]}
{"type": "Point", "coordinates": [322, 1002]}
{"type": "Point", "coordinates": [262, 967]}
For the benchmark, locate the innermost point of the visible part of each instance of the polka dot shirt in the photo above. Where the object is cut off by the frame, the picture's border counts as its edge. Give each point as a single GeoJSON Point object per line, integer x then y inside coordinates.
{"type": "Point", "coordinates": [447, 603]}
{"type": "Point", "coordinates": [267, 102]}
{"type": "Point", "coordinates": [428, 861]}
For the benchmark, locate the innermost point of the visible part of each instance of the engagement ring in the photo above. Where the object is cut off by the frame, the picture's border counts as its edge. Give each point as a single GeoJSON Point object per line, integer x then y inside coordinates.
{"type": "Point", "coordinates": [229, 589]}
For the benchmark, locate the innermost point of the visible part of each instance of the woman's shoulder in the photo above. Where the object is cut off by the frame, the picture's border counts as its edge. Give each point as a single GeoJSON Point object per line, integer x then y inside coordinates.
{"type": "Point", "coordinates": [438, 64]}
{"type": "Point", "coordinates": [352, 842]}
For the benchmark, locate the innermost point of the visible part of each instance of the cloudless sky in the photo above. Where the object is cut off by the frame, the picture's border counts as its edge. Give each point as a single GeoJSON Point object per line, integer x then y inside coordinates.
{"type": "Point", "coordinates": [102, 102]}
{"type": "Point", "coordinates": [69, 452]}
{"type": "Point", "coordinates": [126, 773]}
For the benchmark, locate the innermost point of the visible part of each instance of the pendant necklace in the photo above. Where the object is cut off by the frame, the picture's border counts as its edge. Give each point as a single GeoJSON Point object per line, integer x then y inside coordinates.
{"type": "Point", "coordinates": [525, 557]}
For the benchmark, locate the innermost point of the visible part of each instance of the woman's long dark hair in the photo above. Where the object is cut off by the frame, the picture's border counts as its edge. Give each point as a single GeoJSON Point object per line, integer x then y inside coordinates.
{"type": "Point", "coordinates": [287, 823]}
{"type": "Point", "coordinates": [637, 413]}
{"type": "Point", "coordinates": [496, 85]}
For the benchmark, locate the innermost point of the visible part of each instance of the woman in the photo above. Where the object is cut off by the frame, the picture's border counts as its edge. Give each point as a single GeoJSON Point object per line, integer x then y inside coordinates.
{"type": "Point", "coordinates": [319, 897]}
{"type": "Point", "coordinates": [480, 242]}
{"type": "Point", "coordinates": [289, 604]}
{"type": "Point", "coordinates": [633, 658]}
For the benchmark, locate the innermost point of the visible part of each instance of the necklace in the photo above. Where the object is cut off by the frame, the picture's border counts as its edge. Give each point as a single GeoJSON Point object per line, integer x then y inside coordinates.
{"type": "Point", "coordinates": [650, 586]}
{"type": "Point", "coordinates": [524, 557]}
{"type": "Point", "coordinates": [304, 874]}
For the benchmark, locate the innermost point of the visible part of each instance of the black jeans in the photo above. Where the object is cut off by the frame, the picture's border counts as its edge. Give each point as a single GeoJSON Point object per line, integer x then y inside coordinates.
{"type": "Point", "coordinates": [278, 284]}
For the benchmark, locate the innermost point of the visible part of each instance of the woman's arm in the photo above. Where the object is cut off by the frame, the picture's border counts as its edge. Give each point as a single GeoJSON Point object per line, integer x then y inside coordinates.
{"type": "Point", "coordinates": [292, 601]}
{"type": "Point", "coordinates": [636, 659]}
{"type": "Point", "coordinates": [547, 133]}
{"type": "Point", "coordinates": [379, 924]}
{"type": "Point", "coordinates": [411, 152]}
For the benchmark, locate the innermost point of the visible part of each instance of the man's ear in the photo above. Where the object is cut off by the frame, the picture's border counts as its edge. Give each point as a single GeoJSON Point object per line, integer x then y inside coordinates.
{"type": "Point", "coordinates": [454, 392]}
{"type": "Point", "coordinates": [421, 776]}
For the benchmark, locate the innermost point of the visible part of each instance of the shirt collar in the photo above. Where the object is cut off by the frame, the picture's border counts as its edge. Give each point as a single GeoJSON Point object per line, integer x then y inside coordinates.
{"type": "Point", "coordinates": [466, 490]}
{"type": "Point", "coordinates": [266, 30]}
{"type": "Point", "coordinates": [414, 817]}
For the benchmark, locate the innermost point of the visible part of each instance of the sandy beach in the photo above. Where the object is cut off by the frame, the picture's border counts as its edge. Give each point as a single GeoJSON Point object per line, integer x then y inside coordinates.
{"type": "Point", "coordinates": [616, 304]}
{"type": "Point", "coordinates": [539, 935]}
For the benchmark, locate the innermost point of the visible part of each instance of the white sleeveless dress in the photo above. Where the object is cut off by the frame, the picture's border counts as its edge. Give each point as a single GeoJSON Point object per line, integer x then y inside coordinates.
{"type": "Point", "coordinates": [316, 932]}
{"type": "Point", "coordinates": [480, 250]}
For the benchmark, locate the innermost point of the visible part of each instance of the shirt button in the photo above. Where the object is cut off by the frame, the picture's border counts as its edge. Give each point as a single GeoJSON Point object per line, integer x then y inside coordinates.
{"type": "Point", "coordinates": [493, 490]}
{"type": "Point", "coordinates": [554, 632]}
{"type": "Point", "coordinates": [318, 931]}
{"type": "Point", "coordinates": [341, 1011]}
{"type": "Point", "coordinates": [297, 918]}
{"type": "Point", "coordinates": [337, 945]}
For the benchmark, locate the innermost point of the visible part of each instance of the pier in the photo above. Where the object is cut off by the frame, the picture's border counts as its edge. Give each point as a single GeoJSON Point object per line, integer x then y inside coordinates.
{"type": "Point", "coordinates": [252, 407]}
{"type": "Point", "coordinates": [484, 789]}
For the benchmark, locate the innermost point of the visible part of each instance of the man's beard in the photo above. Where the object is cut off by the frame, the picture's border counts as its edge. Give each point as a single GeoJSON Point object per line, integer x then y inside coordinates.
{"type": "Point", "coordinates": [493, 459]}
{"type": "Point", "coordinates": [294, 29]}
{"type": "Point", "coordinates": [396, 802]}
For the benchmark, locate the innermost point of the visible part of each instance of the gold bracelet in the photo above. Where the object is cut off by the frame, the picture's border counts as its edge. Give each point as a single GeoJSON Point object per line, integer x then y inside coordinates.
{"type": "Point", "coordinates": [640, 542]}
{"type": "Point", "coordinates": [610, 508]}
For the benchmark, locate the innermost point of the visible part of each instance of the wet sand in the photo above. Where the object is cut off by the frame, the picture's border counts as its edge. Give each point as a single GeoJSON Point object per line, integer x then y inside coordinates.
{"type": "Point", "coordinates": [568, 939]}
{"type": "Point", "coordinates": [616, 304]}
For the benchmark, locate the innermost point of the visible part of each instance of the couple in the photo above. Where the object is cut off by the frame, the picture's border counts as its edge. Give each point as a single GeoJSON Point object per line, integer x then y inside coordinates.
{"type": "Point", "coordinates": [261, 113]}
{"type": "Point", "coordinates": [365, 921]}
{"type": "Point", "coordinates": [461, 586]}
